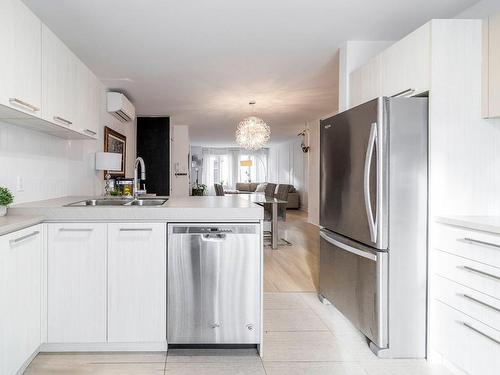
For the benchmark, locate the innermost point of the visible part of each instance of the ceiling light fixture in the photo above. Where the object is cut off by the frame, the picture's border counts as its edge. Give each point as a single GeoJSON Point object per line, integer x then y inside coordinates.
{"type": "Point", "coordinates": [252, 133]}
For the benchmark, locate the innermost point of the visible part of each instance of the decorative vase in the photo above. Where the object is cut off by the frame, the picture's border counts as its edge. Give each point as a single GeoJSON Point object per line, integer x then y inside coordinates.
{"type": "Point", "coordinates": [3, 210]}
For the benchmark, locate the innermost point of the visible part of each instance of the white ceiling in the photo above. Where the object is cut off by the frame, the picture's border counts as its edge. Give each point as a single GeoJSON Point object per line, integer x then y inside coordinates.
{"type": "Point", "coordinates": [201, 61]}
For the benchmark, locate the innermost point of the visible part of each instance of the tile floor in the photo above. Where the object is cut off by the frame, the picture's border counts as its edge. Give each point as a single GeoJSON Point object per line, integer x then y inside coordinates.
{"type": "Point", "coordinates": [302, 337]}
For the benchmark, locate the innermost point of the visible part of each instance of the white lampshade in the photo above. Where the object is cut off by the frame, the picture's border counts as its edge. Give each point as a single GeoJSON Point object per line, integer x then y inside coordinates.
{"type": "Point", "coordinates": [108, 161]}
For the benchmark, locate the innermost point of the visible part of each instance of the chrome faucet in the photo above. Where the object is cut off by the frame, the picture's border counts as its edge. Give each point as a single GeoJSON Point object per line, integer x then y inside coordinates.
{"type": "Point", "coordinates": [138, 161]}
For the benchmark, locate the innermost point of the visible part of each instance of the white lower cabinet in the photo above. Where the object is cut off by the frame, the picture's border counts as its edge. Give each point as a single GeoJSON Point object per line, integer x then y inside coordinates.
{"type": "Point", "coordinates": [137, 278]}
{"type": "Point", "coordinates": [76, 282]}
{"type": "Point", "coordinates": [20, 297]}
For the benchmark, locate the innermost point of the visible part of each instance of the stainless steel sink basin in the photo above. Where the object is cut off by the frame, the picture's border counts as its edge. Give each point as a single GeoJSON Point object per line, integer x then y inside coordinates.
{"type": "Point", "coordinates": [148, 202]}
{"type": "Point", "coordinates": [119, 202]}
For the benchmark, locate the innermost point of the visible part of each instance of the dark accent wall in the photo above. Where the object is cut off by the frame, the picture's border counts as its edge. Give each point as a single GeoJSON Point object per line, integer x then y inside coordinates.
{"type": "Point", "coordinates": [153, 145]}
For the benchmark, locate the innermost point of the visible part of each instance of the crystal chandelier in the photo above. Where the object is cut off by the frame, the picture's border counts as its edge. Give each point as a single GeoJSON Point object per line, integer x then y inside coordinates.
{"type": "Point", "coordinates": [252, 133]}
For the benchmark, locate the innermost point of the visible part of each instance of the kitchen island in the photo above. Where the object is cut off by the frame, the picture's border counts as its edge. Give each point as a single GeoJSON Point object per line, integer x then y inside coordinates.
{"type": "Point", "coordinates": [129, 277]}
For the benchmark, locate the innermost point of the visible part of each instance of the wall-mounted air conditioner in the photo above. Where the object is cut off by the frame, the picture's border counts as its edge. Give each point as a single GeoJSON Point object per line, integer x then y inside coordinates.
{"type": "Point", "coordinates": [120, 107]}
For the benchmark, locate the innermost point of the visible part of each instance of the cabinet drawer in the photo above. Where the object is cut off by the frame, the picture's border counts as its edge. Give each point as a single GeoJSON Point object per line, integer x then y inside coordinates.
{"type": "Point", "coordinates": [475, 275]}
{"type": "Point", "coordinates": [479, 246]}
{"type": "Point", "coordinates": [469, 301]}
{"type": "Point", "coordinates": [467, 343]}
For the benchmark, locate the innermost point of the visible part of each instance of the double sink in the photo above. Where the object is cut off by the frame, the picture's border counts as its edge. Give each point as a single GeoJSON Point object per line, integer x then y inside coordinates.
{"type": "Point", "coordinates": [119, 202]}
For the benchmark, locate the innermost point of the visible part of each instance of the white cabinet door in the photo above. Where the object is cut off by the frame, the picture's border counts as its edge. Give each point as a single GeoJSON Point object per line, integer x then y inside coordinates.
{"type": "Point", "coordinates": [76, 282]}
{"type": "Point", "coordinates": [20, 297]}
{"type": "Point", "coordinates": [406, 64]}
{"type": "Point", "coordinates": [88, 101]}
{"type": "Point", "coordinates": [364, 83]}
{"type": "Point", "coordinates": [58, 81]}
{"type": "Point", "coordinates": [137, 268]}
{"type": "Point", "coordinates": [491, 105]}
{"type": "Point", "coordinates": [20, 62]}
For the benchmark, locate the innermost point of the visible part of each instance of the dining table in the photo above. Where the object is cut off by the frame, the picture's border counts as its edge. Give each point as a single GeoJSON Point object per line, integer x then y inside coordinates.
{"type": "Point", "coordinates": [263, 200]}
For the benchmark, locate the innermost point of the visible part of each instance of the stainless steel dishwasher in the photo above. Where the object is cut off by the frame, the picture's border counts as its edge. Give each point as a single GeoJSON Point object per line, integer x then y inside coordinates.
{"type": "Point", "coordinates": [214, 284]}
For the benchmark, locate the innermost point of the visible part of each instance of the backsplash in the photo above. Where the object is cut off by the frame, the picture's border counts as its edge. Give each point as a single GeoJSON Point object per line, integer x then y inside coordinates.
{"type": "Point", "coordinates": [52, 167]}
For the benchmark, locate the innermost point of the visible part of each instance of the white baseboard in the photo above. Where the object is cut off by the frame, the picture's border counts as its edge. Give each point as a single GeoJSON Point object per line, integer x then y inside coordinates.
{"type": "Point", "coordinates": [27, 362]}
{"type": "Point", "coordinates": [104, 347]}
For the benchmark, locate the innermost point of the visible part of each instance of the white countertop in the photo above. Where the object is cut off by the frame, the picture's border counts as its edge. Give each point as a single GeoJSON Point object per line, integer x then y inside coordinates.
{"type": "Point", "coordinates": [208, 208]}
{"type": "Point", "coordinates": [482, 223]}
{"type": "Point", "coordinates": [11, 223]}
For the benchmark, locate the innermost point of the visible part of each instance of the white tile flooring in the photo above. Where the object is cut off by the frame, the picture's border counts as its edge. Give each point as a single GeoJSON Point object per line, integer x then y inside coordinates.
{"type": "Point", "coordinates": [302, 337]}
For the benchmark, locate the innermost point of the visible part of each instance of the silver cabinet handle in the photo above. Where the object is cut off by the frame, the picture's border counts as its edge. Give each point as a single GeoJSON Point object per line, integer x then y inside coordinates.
{"type": "Point", "coordinates": [136, 229]}
{"type": "Point", "coordinates": [372, 223]}
{"type": "Point", "coordinates": [403, 93]}
{"type": "Point", "coordinates": [90, 131]}
{"type": "Point", "coordinates": [479, 272]}
{"type": "Point", "coordinates": [466, 296]}
{"type": "Point", "coordinates": [481, 333]}
{"type": "Point", "coordinates": [466, 239]}
{"type": "Point", "coordinates": [76, 229]}
{"type": "Point", "coordinates": [23, 238]}
{"type": "Point", "coordinates": [63, 120]}
{"type": "Point", "coordinates": [24, 104]}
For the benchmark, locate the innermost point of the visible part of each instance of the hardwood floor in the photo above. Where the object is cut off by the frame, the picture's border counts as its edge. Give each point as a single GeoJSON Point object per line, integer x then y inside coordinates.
{"type": "Point", "coordinates": [294, 268]}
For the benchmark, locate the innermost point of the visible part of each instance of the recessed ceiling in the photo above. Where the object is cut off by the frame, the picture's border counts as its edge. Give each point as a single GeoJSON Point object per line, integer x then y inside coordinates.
{"type": "Point", "coordinates": [202, 61]}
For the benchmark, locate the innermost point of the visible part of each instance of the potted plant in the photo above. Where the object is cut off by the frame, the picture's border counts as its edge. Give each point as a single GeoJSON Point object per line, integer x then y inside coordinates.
{"type": "Point", "coordinates": [199, 190]}
{"type": "Point", "coordinates": [6, 198]}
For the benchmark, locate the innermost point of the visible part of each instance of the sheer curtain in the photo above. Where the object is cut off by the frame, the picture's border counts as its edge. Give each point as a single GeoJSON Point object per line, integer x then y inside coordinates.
{"type": "Point", "coordinates": [258, 170]}
{"type": "Point", "coordinates": [222, 166]}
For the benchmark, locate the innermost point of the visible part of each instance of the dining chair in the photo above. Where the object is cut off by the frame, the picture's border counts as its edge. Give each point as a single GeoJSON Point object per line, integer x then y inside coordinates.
{"type": "Point", "coordinates": [281, 194]}
{"type": "Point", "coordinates": [270, 190]}
{"type": "Point", "coordinates": [219, 190]}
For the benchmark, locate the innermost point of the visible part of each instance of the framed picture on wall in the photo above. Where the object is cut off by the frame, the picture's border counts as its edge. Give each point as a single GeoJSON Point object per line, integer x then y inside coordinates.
{"type": "Point", "coordinates": [115, 142]}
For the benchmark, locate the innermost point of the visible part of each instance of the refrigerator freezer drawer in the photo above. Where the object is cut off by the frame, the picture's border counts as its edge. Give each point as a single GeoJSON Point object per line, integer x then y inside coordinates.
{"type": "Point", "coordinates": [354, 279]}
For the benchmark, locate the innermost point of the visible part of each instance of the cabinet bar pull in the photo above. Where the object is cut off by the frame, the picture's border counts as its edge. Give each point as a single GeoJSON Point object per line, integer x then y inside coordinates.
{"type": "Point", "coordinates": [76, 229]}
{"type": "Point", "coordinates": [403, 93]}
{"type": "Point", "coordinates": [90, 131]}
{"type": "Point", "coordinates": [466, 239]}
{"type": "Point", "coordinates": [61, 119]}
{"type": "Point", "coordinates": [23, 238]}
{"type": "Point", "coordinates": [136, 229]}
{"type": "Point", "coordinates": [481, 333]}
{"type": "Point", "coordinates": [480, 302]}
{"type": "Point", "coordinates": [482, 273]}
{"type": "Point", "coordinates": [24, 104]}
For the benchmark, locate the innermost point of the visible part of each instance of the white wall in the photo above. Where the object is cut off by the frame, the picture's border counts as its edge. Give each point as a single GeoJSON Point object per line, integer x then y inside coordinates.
{"type": "Point", "coordinates": [482, 9]}
{"type": "Point", "coordinates": [52, 167]}
{"type": "Point", "coordinates": [313, 173]}
{"type": "Point", "coordinates": [287, 164]}
{"type": "Point", "coordinates": [179, 160]}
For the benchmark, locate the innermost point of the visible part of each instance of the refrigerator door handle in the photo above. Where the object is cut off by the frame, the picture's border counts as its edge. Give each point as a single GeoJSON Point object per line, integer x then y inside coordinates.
{"type": "Point", "coordinates": [348, 248]}
{"type": "Point", "coordinates": [372, 223]}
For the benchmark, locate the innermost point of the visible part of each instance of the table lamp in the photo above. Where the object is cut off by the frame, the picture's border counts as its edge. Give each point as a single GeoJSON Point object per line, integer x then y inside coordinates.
{"type": "Point", "coordinates": [108, 161]}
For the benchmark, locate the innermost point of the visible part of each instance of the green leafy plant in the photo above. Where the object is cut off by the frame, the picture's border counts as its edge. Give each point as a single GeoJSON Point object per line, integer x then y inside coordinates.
{"type": "Point", "coordinates": [6, 196]}
{"type": "Point", "coordinates": [199, 190]}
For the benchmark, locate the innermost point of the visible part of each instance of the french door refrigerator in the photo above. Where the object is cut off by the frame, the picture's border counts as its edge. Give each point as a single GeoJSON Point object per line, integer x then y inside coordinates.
{"type": "Point", "coordinates": [373, 217]}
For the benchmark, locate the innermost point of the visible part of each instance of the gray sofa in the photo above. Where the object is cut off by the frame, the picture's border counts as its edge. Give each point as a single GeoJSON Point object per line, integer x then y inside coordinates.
{"type": "Point", "coordinates": [248, 188]}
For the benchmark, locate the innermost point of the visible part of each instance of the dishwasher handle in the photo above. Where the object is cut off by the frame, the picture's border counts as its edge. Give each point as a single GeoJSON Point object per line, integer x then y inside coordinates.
{"type": "Point", "coordinates": [213, 237]}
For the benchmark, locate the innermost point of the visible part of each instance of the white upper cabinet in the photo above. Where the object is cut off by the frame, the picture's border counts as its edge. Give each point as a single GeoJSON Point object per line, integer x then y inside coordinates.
{"type": "Point", "coordinates": [59, 75]}
{"type": "Point", "coordinates": [364, 83]}
{"type": "Point", "coordinates": [405, 66]}
{"type": "Point", "coordinates": [76, 282]}
{"type": "Point", "coordinates": [20, 297]}
{"type": "Point", "coordinates": [20, 62]}
{"type": "Point", "coordinates": [88, 100]}
{"type": "Point", "coordinates": [491, 66]}
{"type": "Point", "coordinates": [402, 68]}
{"type": "Point", "coordinates": [137, 281]}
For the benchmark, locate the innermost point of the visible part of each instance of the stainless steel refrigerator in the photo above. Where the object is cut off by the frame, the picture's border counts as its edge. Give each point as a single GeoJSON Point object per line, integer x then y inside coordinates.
{"type": "Point", "coordinates": [373, 217]}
